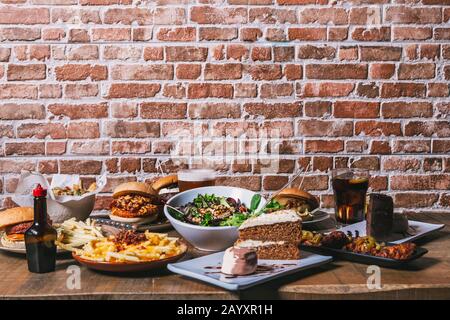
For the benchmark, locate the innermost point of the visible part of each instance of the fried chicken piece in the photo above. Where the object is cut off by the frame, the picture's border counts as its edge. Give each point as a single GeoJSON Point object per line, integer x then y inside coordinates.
{"type": "Point", "coordinates": [335, 240]}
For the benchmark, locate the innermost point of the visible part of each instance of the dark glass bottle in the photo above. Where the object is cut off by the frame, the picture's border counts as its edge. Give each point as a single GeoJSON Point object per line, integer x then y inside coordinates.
{"type": "Point", "coordinates": [40, 237]}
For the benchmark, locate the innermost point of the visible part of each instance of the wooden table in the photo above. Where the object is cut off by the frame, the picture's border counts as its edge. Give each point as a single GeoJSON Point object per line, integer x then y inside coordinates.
{"type": "Point", "coordinates": [426, 278]}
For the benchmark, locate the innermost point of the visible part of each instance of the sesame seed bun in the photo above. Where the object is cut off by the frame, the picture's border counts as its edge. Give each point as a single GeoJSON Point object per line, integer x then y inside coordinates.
{"type": "Point", "coordinates": [139, 188]}
{"type": "Point", "coordinates": [17, 215]}
{"type": "Point", "coordinates": [294, 193]}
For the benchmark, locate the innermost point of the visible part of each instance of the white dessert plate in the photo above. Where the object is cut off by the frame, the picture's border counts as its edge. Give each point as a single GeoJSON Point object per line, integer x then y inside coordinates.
{"type": "Point", "coordinates": [207, 269]}
{"type": "Point", "coordinates": [416, 230]}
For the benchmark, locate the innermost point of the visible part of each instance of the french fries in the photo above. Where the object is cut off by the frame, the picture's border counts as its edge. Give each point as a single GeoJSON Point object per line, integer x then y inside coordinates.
{"type": "Point", "coordinates": [156, 246]}
{"type": "Point", "coordinates": [74, 234]}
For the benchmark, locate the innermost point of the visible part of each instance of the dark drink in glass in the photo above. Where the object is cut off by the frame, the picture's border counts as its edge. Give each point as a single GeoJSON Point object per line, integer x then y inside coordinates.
{"type": "Point", "coordinates": [40, 237]}
{"type": "Point", "coordinates": [350, 188]}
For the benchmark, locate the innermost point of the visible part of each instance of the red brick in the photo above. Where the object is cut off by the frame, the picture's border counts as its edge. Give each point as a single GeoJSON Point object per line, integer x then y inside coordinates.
{"type": "Point", "coordinates": [217, 34]}
{"type": "Point", "coordinates": [381, 70]}
{"type": "Point", "coordinates": [265, 71]}
{"type": "Point", "coordinates": [316, 52]}
{"type": "Point", "coordinates": [377, 128]}
{"type": "Point", "coordinates": [81, 36]}
{"type": "Point", "coordinates": [441, 146]}
{"type": "Point", "coordinates": [188, 71]}
{"type": "Point", "coordinates": [20, 15]}
{"type": "Point", "coordinates": [211, 110]}
{"type": "Point", "coordinates": [270, 91]}
{"type": "Point", "coordinates": [261, 53]}
{"type": "Point", "coordinates": [412, 146]}
{"type": "Point", "coordinates": [183, 34]}
{"type": "Point", "coordinates": [381, 53]}
{"type": "Point", "coordinates": [77, 91]}
{"type": "Point", "coordinates": [209, 90]}
{"type": "Point", "coordinates": [169, 16]}
{"type": "Point", "coordinates": [211, 15]}
{"type": "Point", "coordinates": [393, 90]}
{"type": "Point", "coordinates": [237, 52]}
{"type": "Point", "coordinates": [416, 71]}
{"type": "Point", "coordinates": [327, 89]}
{"type": "Point", "coordinates": [420, 182]}
{"type": "Point", "coordinates": [20, 34]}
{"type": "Point", "coordinates": [428, 128]}
{"type": "Point", "coordinates": [411, 33]}
{"type": "Point", "coordinates": [80, 166]}
{"type": "Point", "coordinates": [153, 53]}
{"type": "Point", "coordinates": [245, 90]}
{"type": "Point", "coordinates": [318, 128]}
{"type": "Point", "coordinates": [141, 16]}
{"type": "Point", "coordinates": [17, 72]}
{"type": "Point", "coordinates": [55, 148]}
{"type": "Point", "coordinates": [407, 109]}
{"type": "Point", "coordinates": [142, 72]}
{"type": "Point", "coordinates": [186, 53]}
{"type": "Point", "coordinates": [283, 54]}
{"type": "Point", "coordinates": [227, 71]}
{"type": "Point", "coordinates": [356, 109]}
{"type": "Point", "coordinates": [131, 129]}
{"type": "Point", "coordinates": [133, 90]}
{"type": "Point", "coordinates": [274, 110]}
{"type": "Point", "coordinates": [111, 34]}
{"type": "Point", "coordinates": [272, 16]}
{"type": "Point", "coordinates": [365, 15]}
{"type": "Point", "coordinates": [127, 147]}
{"type": "Point", "coordinates": [415, 200]}
{"type": "Point", "coordinates": [75, 72]}
{"type": "Point", "coordinates": [163, 110]}
{"type": "Point", "coordinates": [406, 14]}
{"type": "Point", "coordinates": [438, 90]}
{"type": "Point", "coordinates": [16, 166]}
{"type": "Point", "coordinates": [13, 111]}
{"type": "Point", "coordinates": [118, 53]}
{"type": "Point", "coordinates": [335, 16]}
{"type": "Point", "coordinates": [24, 148]}
{"type": "Point", "coordinates": [338, 34]}
{"type": "Point", "coordinates": [177, 91]}
{"type": "Point", "coordinates": [250, 34]}
{"type": "Point", "coordinates": [41, 130]}
{"type": "Point", "coordinates": [336, 71]}
{"type": "Point", "coordinates": [95, 147]}
{"type": "Point", "coordinates": [79, 111]}
{"type": "Point", "coordinates": [324, 146]}
{"type": "Point", "coordinates": [83, 130]}
{"type": "Point", "coordinates": [307, 34]}
{"type": "Point", "coordinates": [372, 34]}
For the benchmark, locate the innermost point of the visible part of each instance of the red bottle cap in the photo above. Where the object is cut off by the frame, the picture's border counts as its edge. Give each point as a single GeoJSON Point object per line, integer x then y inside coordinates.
{"type": "Point", "coordinates": [39, 191]}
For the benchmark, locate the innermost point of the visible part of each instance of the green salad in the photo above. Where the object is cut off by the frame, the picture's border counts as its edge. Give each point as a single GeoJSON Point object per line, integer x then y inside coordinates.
{"type": "Point", "coordinates": [212, 210]}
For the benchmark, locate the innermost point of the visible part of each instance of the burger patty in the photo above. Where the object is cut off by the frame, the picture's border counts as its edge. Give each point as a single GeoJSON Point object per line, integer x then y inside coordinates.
{"type": "Point", "coordinates": [135, 205]}
{"type": "Point", "coordinates": [19, 228]}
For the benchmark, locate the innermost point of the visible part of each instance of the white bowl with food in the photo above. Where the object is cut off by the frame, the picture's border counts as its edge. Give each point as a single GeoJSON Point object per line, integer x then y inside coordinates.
{"type": "Point", "coordinates": [209, 217]}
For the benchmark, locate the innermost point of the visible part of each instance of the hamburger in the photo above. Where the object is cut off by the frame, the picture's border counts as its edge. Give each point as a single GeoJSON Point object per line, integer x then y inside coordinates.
{"type": "Point", "coordinates": [166, 187]}
{"type": "Point", "coordinates": [134, 202]}
{"type": "Point", "coordinates": [300, 201]}
{"type": "Point", "coordinates": [13, 223]}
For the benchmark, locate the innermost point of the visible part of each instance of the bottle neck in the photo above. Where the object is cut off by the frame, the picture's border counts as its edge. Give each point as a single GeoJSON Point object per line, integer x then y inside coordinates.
{"type": "Point", "coordinates": [40, 210]}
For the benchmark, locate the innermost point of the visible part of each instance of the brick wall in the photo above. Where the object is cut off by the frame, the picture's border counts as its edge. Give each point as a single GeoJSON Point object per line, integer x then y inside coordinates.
{"type": "Point", "coordinates": [93, 86]}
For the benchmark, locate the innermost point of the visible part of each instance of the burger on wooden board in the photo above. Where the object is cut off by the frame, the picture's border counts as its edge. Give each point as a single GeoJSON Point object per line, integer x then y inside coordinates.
{"type": "Point", "coordinates": [134, 202]}
{"type": "Point", "coordinates": [166, 187]}
{"type": "Point", "coordinates": [295, 199]}
{"type": "Point", "coordinates": [13, 223]}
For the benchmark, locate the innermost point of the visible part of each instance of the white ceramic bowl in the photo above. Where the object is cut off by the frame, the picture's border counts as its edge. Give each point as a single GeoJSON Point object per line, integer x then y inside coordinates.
{"type": "Point", "coordinates": [208, 238]}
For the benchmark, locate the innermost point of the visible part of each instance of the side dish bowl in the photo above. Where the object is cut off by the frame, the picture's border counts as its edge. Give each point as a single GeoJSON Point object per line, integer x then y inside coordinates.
{"type": "Point", "coordinates": [209, 238]}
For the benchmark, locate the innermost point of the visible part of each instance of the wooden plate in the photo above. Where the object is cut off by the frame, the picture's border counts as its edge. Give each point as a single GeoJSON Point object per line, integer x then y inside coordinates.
{"type": "Point", "coordinates": [122, 267]}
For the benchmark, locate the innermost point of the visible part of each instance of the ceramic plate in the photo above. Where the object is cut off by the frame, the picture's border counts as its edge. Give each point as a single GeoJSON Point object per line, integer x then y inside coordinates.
{"type": "Point", "coordinates": [318, 216]}
{"type": "Point", "coordinates": [416, 230]}
{"type": "Point", "coordinates": [23, 251]}
{"type": "Point", "coordinates": [207, 269]}
{"type": "Point", "coordinates": [122, 267]}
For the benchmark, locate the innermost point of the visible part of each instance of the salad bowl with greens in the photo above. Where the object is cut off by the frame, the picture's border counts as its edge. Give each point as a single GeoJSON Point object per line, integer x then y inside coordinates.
{"type": "Point", "coordinates": [209, 217]}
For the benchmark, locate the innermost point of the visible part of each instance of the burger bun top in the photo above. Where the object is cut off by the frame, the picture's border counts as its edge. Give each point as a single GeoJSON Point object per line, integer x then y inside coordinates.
{"type": "Point", "coordinates": [295, 193]}
{"type": "Point", "coordinates": [165, 182]}
{"type": "Point", "coordinates": [16, 215]}
{"type": "Point", "coordinates": [139, 188]}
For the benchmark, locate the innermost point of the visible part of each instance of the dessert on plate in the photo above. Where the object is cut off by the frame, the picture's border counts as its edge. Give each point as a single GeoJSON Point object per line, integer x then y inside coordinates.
{"type": "Point", "coordinates": [239, 261]}
{"type": "Point", "coordinates": [274, 236]}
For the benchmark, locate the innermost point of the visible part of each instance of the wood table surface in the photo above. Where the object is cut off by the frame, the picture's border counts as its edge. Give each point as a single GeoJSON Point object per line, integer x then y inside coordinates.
{"type": "Point", "coordinates": [425, 278]}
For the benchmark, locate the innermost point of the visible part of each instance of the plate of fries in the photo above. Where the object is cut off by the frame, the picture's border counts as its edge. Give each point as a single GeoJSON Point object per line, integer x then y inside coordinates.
{"type": "Point", "coordinates": [130, 251]}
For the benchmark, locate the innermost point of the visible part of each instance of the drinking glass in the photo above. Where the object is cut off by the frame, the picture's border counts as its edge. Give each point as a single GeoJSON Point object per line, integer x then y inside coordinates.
{"type": "Point", "coordinates": [350, 188]}
{"type": "Point", "coordinates": [196, 178]}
